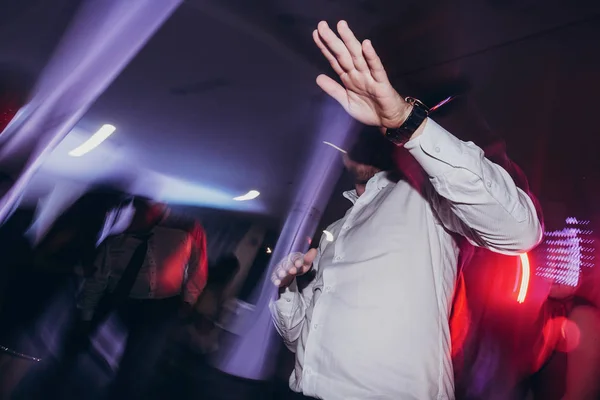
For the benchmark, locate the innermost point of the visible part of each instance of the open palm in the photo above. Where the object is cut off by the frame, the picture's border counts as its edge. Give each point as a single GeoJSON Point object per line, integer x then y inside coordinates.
{"type": "Point", "coordinates": [366, 94]}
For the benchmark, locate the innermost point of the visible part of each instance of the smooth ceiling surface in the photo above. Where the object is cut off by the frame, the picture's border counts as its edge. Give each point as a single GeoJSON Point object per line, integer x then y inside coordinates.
{"type": "Point", "coordinates": [211, 105]}
{"type": "Point", "coordinates": [223, 96]}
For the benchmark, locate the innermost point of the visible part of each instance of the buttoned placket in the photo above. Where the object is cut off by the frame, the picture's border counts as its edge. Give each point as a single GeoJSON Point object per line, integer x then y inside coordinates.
{"type": "Point", "coordinates": [360, 203]}
{"type": "Point", "coordinates": [307, 371]}
{"type": "Point", "coordinates": [327, 278]}
{"type": "Point", "coordinates": [313, 336]}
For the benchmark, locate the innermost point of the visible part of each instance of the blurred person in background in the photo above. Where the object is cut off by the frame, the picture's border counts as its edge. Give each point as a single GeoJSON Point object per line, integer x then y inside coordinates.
{"type": "Point", "coordinates": [184, 365]}
{"type": "Point", "coordinates": [546, 347]}
{"type": "Point", "coordinates": [15, 249]}
{"type": "Point", "coordinates": [503, 349]}
{"type": "Point", "coordinates": [374, 321]}
{"type": "Point", "coordinates": [40, 301]}
{"type": "Point", "coordinates": [16, 300]}
{"type": "Point", "coordinates": [211, 303]}
{"type": "Point", "coordinates": [201, 333]}
{"type": "Point", "coordinates": [571, 357]}
{"type": "Point", "coordinates": [148, 275]}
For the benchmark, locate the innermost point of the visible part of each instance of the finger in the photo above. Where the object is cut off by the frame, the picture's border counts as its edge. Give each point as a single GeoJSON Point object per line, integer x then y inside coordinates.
{"type": "Point", "coordinates": [333, 89]}
{"type": "Point", "coordinates": [275, 279]}
{"type": "Point", "coordinates": [336, 46]}
{"type": "Point", "coordinates": [353, 46]}
{"type": "Point", "coordinates": [374, 62]}
{"type": "Point", "coordinates": [310, 256]}
{"type": "Point", "coordinates": [330, 57]}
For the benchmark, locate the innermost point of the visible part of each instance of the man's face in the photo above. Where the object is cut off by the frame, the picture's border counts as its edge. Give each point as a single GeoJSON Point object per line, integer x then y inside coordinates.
{"type": "Point", "coordinates": [361, 172]}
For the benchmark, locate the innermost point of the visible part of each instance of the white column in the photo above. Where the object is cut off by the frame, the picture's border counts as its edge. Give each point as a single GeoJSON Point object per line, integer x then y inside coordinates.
{"type": "Point", "coordinates": [252, 356]}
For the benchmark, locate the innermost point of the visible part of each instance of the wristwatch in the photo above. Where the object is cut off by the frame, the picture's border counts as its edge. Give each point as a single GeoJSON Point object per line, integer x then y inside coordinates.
{"type": "Point", "coordinates": [403, 133]}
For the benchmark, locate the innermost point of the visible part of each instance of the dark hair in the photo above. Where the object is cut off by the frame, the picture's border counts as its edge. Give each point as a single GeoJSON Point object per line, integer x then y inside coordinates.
{"type": "Point", "coordinates": [372, 148]}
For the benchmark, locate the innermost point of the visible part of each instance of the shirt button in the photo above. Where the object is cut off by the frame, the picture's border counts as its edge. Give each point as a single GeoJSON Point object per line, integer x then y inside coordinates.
{"type": "Point", "coordinates": [489, 184]}
{"type": "Point", "coordinates": [347, 227]}
{"type": "Point", "coordinates": [328, 288]}
{"type": "Point", "coordinates": [288, 300]}
{"type": "Point", "coordinates": [437, 149]}
{"type": "Point", "coordinates": [308, 371]}
{"type": "Point", "coordinates": [338, 258]}
{"type": "Point", "coordinates": [315, 326]}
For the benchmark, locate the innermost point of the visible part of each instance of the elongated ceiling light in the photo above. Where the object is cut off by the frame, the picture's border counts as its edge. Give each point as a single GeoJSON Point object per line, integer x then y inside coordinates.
{"type": "Point", "coordinates": [94, 141]}
{"type": "Point", "coordinates": [251, 195]}
{"type": "Point", "coordinates": [335, 147]}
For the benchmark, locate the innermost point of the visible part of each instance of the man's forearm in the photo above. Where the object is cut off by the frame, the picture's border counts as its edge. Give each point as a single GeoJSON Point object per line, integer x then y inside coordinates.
{"type": "Point", "coordinates": [479, 193]}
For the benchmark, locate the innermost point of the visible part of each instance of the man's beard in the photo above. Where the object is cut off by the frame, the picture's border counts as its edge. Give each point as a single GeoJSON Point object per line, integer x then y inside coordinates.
{"type": "Point", "coordinates": [361, 181]}
{"type": "Point", "coordinates": [363, 173]}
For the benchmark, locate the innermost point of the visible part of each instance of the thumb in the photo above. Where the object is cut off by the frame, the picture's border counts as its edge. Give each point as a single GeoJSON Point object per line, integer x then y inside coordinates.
{"type": "Point", "coordinates": [333, 89]}
{"type": "Point", "coordinates": [309, 258]}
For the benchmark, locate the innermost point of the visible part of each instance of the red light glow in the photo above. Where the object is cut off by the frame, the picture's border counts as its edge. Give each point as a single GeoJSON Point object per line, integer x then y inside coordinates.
{"type": "Point", "coordinates": [525, 276]}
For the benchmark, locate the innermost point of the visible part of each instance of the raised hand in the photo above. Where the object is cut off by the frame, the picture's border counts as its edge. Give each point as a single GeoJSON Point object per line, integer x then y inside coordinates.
{"type": "Point", "coordinates": [293, 265]}
{"type": "Point", "coordinates": [366, 94]}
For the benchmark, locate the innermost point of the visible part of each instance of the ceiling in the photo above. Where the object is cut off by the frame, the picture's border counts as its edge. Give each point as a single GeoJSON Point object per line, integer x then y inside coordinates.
{"type": "Point", "coordinates": [222, 99]}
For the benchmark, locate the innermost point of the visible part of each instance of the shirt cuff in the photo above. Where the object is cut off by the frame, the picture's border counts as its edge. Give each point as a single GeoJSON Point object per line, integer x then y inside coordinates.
{"type": "Point", "coordinates": [286, 303]}
{"type": "Point", "coordinates": [438, 151]}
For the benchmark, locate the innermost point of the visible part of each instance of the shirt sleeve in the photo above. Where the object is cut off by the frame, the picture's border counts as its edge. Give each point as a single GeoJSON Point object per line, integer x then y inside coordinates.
{"type": "Point", "coordinates": [289, 310]}
{"type": "Point", "coordinates": [475, 197]}
{"type": "Point", "coordinates": [197, 270]}
{"type": "Point", "coordinates": [95, 285]}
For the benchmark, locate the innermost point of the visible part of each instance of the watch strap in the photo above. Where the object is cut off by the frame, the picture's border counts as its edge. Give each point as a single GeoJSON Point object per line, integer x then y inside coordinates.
{"type": "Point", "coordinates": [403, 133]}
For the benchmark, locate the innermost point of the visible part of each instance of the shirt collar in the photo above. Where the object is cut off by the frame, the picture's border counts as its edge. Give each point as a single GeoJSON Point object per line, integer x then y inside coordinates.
{"type": "Point", "coordinates": [377, 182]}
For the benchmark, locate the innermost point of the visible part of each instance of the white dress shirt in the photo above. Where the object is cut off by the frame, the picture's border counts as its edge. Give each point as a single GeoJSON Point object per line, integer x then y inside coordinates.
{"type": "Point", "coordinates": [373, 324]}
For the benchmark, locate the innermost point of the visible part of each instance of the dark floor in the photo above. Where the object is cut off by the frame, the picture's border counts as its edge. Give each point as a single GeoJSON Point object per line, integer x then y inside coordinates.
{"type": "Point", "coordinates": [191, 379]}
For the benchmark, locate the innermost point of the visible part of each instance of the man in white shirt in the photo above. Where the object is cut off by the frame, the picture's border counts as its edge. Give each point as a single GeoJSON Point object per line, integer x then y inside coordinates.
{"type": "Point", "coordinates": [373, 324]}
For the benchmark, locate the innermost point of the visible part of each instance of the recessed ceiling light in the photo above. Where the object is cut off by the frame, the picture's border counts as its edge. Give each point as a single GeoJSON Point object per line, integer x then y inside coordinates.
{"type": "Point", "coordinates": [251, 195]}
{"type": "Point", "coordinates": [94, 141]}
{"type": "Point", "coordinates": [269, 251]}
